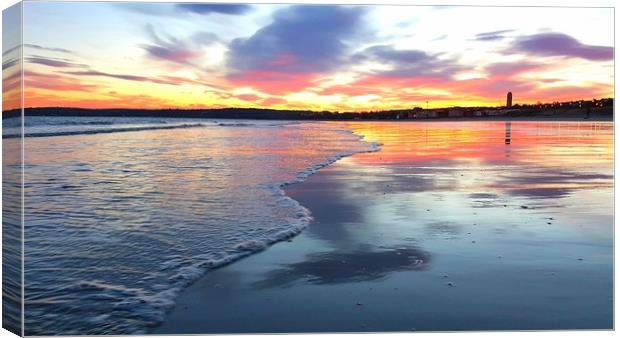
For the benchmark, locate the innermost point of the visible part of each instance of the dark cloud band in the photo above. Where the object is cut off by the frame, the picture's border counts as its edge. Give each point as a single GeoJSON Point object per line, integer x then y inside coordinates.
{"type": "Point", "coordinates": [558, 44]}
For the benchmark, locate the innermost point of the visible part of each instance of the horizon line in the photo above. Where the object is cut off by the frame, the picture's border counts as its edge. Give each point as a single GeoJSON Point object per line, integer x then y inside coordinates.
{"type": "Point", "coordinates": [299, 109]}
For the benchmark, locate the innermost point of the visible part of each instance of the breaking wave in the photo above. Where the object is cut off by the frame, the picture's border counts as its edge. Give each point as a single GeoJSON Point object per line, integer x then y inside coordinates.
{"type": "Point", "coordinates": [153, 217]}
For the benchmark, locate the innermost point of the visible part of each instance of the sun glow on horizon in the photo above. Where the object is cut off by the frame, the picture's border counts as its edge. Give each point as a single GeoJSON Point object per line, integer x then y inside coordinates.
{"type": "Point", "coordinates": [337, 58]}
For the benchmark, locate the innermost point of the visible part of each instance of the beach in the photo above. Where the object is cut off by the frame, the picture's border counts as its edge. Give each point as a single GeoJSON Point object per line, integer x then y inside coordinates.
{"type": "Point", "coordinates": [462, 226]}
{"type": "Point", "coordinates": [123, 213]}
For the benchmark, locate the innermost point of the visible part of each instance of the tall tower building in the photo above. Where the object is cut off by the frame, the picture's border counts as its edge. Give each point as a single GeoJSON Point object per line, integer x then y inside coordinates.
{"type": "Point", "coordinates": [509, 100]}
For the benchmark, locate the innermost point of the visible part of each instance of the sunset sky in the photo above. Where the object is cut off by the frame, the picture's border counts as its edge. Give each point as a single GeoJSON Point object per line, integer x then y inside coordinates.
{"type": "Point", "coordinates": [141, 55]}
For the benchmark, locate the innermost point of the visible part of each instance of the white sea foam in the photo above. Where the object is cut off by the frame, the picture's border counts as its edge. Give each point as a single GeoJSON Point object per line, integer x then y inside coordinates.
{"type": "Point", "coordinates": [167, 219]}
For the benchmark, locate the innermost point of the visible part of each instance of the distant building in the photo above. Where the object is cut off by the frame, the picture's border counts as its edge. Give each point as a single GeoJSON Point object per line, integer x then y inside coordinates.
{"type": "Point", "coordinates": [455, 113]}
{"type": "Point", "coordinates": [509, 100]}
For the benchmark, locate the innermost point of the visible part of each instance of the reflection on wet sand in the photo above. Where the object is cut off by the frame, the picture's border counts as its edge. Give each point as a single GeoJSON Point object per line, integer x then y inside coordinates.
{"type": "Point", "coordinates": [450, 226]}
{"type": "Point", "coordinates": [364, 264]}
{"type": "Point", "coordinates": [525, 160]}
{"type": "Point", "coordinates": [508, 127]}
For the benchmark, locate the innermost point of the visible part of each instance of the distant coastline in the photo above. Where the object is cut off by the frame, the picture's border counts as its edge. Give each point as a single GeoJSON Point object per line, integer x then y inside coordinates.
{"type": "Point", "coordinates": [598, 110]}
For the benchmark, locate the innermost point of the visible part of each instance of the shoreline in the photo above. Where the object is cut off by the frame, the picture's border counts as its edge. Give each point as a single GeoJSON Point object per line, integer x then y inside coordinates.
{"type": "Point", "coordinates": [525, 113]}
{"type": "Point", "coordinates": [354, 275]}
{"type": "Point", "coordinates": [606, 118]}
{"type": "Point", "coordinates": [284, 188]}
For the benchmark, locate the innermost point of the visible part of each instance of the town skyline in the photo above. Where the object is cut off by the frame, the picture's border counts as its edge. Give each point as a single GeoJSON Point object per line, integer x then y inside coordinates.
{"type": "Point", "coordinates": [363, 58]}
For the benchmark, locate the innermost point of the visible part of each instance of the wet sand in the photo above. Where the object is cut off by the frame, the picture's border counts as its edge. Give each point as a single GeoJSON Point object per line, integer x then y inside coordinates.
{"type": "Point", "coordinates": [482, 226]}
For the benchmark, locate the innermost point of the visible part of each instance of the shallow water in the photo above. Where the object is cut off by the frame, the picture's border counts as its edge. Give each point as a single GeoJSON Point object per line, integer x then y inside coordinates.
{"type": "Point", "coordinates": [509, 225]}
{"type": "Point", "coordinates": [116, 223]}
{"type": "Point", "coordinates": [43, 126]}
{"type": "Point", "coordinates": [450, 226]}
{"type": "Point", "coordinates": [11, 229]}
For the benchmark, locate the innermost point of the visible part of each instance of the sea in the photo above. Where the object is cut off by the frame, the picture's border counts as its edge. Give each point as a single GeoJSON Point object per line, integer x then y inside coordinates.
{"type": "Point", "coordinates": [120, 214]}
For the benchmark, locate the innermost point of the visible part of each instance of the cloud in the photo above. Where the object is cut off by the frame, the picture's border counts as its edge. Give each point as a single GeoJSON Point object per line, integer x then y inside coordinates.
{"type": "Point", "coordinates": [10, 63]}
{"type": "Point", "coordinates": [176, 80]}
{"type": "Point", "coordinates": [510, 69]}
{"type": "Point", "coordinates": [10, 50]}
{"type": "Point", "coordinates": [55, 98]}
{"type": "Point", "coordinates": [357, 89]}
{"type": "Point", "coordinates": [38, 47]}
{"type": "Point", "coordinates": [35, 80]}
{"type": "Point", "coordinates": [11, 88]}
{"type": "Point", "coordinates": [558, 44]}
{"type": "Point", "coordinates": [127, 77]}
{"type": "Point", "coordinates": [272, 101]}
{"type": "Point", "coordinates": [52, 62]}
{"type": "Point", "coordinates": [570, 92]}
{"type": "Point", "coordinates": [103, 74]}
{"type": "Point", "coordinates": [230, 9]}
{"type": "Point", "coordinates": [408, 62]}
{"type": "Point", "coordinates": [301, 39]}
{"type": "Point", "coordinates": [500, 78]}
{"type": "Point", "coordinates": [390, 54]}
{"type": "Point", "coordinates": [291, 52]}
{"type": "Point", "coordinates": [493, 36]}
{"type": "Point", "coordinates": [14, 77]}
{"type": "Point", "coordinates": [168, 48]}
{"type": "Point", "coordinates": [273, 82]}
{"type": "Point", "coordinates": [167, 80]}
{"type": "Point", "coordinates": [50, 49]}
{"type": "Point", "coordinates": [205, 38]}
{"type": "Point", "coordinates": [405, 70]}
{"type": "Point", "coordinates": [170, 54]}
{"type": "Point", "coordinates": [521, 79]}
{"type": "Point", "coordinates": [248, 97]}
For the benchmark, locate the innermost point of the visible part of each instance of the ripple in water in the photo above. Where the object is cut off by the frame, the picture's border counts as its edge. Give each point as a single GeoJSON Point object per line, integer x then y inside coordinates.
{"type": "Point", "coordinates": [118, 223]}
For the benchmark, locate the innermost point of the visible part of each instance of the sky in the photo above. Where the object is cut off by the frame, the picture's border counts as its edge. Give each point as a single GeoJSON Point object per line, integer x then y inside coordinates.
{"type": "Point", "coordinates": [338, 58]}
